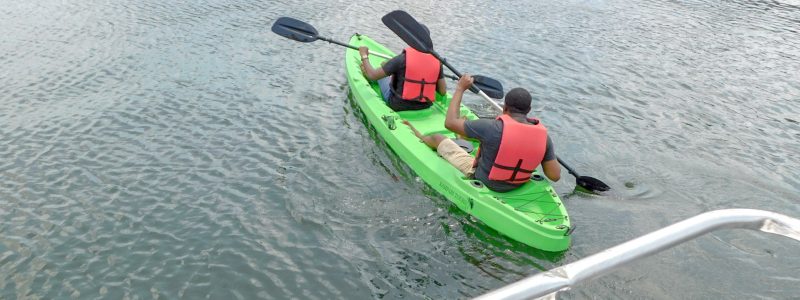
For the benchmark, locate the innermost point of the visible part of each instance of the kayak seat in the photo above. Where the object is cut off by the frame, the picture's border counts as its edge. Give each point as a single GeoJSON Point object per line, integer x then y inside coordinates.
{"type": "Point", "coordinates": [415, 114]}
{"type": "Point", "coordinates": [464, 144]}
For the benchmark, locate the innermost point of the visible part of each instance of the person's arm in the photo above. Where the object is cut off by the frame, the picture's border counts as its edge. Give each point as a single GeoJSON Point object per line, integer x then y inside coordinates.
{"type": "Point", "coordinates": [552, 169]}
{"type": "Point", "coordinates": [550, 165]}
{"type": "Point", "coordinates": [441, 85]}
{"type": "Point", "coordinates": [369, 72]}
{"type": "Point", "coordinates": [453, 120]}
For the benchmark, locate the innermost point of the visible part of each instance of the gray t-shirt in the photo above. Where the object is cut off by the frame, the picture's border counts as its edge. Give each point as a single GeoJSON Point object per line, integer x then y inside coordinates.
{"type": "Point", "coordinates": [489, 132]}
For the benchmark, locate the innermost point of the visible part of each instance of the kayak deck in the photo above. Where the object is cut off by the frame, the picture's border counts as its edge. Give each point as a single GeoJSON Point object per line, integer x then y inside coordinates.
{"type": "Point", "coordinates": [532, 214]}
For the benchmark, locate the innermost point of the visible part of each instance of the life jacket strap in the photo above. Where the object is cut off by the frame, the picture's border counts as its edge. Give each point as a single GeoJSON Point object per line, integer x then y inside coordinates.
{"type": "Point", "coordinates": [516, 169]}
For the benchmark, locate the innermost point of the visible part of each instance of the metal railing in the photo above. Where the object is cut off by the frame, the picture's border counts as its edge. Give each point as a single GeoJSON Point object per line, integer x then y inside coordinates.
{"type": "Point", "coordinates": [551, 282]}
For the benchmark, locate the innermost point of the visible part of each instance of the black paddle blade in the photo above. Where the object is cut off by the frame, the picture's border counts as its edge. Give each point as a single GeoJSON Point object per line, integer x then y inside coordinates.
{"type": "Point", "coordinates": [591, 184]}
{"type": "Point", "coordinates": [490, 86]}
{"type": "Point", "coordinates": [295, 29]}
{"type": "Point", "coordinates": [409, 30]}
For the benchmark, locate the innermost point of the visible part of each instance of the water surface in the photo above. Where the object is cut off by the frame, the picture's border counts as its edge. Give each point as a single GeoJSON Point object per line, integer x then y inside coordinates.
{"type": "Point", "coordinates": [179, 149]}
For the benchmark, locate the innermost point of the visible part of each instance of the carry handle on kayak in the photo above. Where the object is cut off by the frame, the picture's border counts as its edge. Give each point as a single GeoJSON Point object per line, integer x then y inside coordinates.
{"type": "Point", "coordinates": [570, 229]}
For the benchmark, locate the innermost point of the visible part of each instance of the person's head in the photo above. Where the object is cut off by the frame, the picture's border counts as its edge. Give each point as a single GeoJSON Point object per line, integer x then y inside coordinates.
{"type": "Point", "coordinates": [517, 100]}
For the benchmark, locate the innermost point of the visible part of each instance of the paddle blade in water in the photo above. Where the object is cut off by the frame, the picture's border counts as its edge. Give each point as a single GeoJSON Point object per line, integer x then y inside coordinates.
{"type": "Point", "coordinates": [592, 184]}
{"type": "Point", "coordinates": [490, 86]}
{"type": "Point", "coordinates": [409, 30]}
{"type": "Point", "coordinates": [295, 29]}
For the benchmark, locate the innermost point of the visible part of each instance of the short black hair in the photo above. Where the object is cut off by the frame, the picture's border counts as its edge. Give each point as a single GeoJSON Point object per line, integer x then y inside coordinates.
{"type": "Point", "coordinates": [518, 100]}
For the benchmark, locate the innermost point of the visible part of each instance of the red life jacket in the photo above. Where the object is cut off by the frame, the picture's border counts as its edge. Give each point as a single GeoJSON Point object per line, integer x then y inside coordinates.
{"type": "Point", "coordinates": [422, 73]}
{"type": "Point", "coordinates": [522, 148]}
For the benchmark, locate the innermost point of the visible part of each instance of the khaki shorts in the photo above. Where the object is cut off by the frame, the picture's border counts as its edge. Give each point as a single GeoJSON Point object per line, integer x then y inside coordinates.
{"type": "Point", "coordinates": [456, 156]}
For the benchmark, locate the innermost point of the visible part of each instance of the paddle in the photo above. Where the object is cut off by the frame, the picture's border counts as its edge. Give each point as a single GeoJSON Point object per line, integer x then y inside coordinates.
{"type": "Point", "coordinates": [586, 182]}
{"type": "Point", "coordinates": [303, 32]}
{"type": "Point", "coordinates": [415, 35]}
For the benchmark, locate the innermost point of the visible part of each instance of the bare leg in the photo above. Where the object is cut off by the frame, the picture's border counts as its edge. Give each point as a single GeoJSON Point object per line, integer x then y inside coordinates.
{"type": "Point", "coordinates": [432, 140]}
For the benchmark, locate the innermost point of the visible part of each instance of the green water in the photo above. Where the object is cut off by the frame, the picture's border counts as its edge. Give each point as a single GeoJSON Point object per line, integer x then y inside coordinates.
{"type": "Point", "coordinates": [179, 149]}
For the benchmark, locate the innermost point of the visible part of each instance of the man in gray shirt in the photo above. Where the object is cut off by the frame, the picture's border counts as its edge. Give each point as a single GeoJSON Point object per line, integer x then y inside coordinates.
{"type": "Point", "coordinates": [522, 148]}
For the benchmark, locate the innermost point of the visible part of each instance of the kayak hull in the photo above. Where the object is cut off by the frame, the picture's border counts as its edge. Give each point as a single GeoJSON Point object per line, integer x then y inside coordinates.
{"type": "Point", "coordinates": [532, 214]}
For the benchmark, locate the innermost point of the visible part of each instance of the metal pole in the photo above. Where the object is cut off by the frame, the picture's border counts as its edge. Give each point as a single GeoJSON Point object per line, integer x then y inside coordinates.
{"type": "Point", "coordinates": [566, 276]}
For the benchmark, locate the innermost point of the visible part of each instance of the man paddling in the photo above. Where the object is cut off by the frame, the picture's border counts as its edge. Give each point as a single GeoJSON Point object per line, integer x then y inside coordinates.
{"type": "Point", "coordinates": [408, 81]}
{"type": "Point", "coordinates": [512, 145]}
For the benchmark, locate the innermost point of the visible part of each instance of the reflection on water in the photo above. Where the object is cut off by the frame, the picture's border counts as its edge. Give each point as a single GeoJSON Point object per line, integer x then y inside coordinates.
{"type": "Point", "coordinates": [180, 149]}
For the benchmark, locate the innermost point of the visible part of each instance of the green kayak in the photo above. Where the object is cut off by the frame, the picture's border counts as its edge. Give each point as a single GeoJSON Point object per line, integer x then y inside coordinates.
{"type": "Point", "coordinates": [532, 214]}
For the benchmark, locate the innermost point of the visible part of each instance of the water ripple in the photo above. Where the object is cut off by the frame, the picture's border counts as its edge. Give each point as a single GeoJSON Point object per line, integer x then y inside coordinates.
{"type": "Point", "coordinates": [156, 149]}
